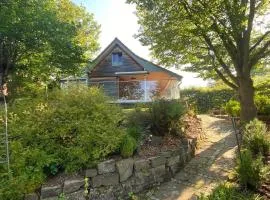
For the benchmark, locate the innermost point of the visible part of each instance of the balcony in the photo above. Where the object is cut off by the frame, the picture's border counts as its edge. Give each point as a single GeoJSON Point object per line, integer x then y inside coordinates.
{"type": "Point", "coordinates": [133, 91]}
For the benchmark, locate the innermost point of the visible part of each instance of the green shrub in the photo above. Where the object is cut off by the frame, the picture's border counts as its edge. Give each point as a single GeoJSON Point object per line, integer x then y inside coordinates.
{"type": "Point", "coordinates": [263, 104]}
{"type": "Point", "coordinates": [70, 130]}
{"type": "Point", "coordinates": [256, 138]}
{"type": "Point", "coordinates": [206, 99]}
{"type": "Point", "coordinates": [135, 132]}
{"type": "Point", "coordinates": [165, 116]}
{"type": "Point", "coordinates": [250, 170]}
{"type": "Point", "coordinates": [232, 108]}
{"type": "Point", "coordinates": [128, 147]}
{"type": "Point", "coordinates": [138, 117]}
{"type": "Point", "coordinates": [227, 191]}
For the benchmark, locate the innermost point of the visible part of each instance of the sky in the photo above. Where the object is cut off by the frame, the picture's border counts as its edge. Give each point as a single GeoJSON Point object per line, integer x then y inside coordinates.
{"type": "Point", "coordinates": [118, 19]}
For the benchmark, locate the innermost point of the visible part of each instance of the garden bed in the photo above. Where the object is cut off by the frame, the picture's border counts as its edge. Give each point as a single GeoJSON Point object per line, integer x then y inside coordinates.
{"type": "Point", "coordinates": [156, 144]}
{"type": "Point", "coordinates": [156, 161]}
{"type": "Point", "coordinates": [117, 178]}
{"type": "Point", "coordinates": [56, 136]}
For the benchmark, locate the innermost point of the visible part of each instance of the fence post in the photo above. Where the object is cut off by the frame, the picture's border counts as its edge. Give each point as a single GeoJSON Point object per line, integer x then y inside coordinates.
{"type": "Point", "coordinates": [236, 135]}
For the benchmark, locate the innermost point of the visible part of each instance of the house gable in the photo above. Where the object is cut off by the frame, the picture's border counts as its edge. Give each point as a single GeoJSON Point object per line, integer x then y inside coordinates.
{"type": "Point", "coordinates": [104, 67]}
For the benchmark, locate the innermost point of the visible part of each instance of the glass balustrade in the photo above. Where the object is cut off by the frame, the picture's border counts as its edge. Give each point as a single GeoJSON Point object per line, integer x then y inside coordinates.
{"type": "Point", "coordinates": [139, 90]}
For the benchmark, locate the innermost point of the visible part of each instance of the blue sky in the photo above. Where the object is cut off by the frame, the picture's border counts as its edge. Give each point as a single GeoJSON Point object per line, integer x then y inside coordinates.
{"type": "Point", "coordinates": [118, 19]}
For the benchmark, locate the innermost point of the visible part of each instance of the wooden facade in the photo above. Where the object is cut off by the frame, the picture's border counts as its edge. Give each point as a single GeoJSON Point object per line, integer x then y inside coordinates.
{"type": "Point", "coordinates": [105, 68]}
{"type": "Point", "coordinates": [134, 78]}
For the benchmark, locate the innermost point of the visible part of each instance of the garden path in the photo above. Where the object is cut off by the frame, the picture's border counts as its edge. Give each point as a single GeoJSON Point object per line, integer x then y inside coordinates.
{"type": "Point", "coordinates": [213, 162]}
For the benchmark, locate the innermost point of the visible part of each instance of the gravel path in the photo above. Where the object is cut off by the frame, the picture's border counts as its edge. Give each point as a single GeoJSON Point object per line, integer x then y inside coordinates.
{"type": "Point", "coordinates": [212, 163]}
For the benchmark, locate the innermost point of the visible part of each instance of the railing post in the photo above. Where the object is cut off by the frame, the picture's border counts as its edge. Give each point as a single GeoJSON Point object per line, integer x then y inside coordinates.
{"type": "Point", "coordinates": [237, 132]}
{"type": "Point", "coordinates": [145, 91]}
{"type": "Point", "coordinates": [118, 93]}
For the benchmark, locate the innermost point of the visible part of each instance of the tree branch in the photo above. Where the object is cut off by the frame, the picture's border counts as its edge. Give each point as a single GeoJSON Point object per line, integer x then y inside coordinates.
{"type": "Point", "coordinates": [220, 60]}
{"type": "Point", "coordinates": [246, 39]}
{"type": "Point", "coordinates": [225, 80]}
{"type": "Point", "coordinates": [250, 18]}
{"type": "Point", "coordinates": [210, 44]}
{"type": "Point", "coordinates": [259, 54]}
{"type": "Point", "coordinates": [222, 33]}
{"type": "Point", "coordinates": [259, 41]}
{"type": "Point", "coordinates": [228, 44]}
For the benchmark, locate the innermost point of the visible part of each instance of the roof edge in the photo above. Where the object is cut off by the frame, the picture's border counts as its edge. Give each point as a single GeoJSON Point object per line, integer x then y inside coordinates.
{"type": "Point", "coordinates": [116, 41]}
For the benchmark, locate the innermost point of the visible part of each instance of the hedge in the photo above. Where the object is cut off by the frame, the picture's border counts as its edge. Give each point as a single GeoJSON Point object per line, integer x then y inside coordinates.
{"type": "Point", "coordinates": [206, 99]}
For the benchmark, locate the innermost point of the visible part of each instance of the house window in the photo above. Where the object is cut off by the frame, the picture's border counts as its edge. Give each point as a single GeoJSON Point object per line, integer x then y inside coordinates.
{"type": "Point", "coordinates": [117, 59]}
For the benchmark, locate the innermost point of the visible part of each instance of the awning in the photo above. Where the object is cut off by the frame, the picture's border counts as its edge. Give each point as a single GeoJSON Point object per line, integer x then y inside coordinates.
{"type": "Point", "coordinates": [131, 73]}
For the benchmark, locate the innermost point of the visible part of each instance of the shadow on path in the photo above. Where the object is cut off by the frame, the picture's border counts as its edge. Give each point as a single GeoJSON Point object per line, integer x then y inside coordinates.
{"type": "Point", "coordinates": [213, 161]}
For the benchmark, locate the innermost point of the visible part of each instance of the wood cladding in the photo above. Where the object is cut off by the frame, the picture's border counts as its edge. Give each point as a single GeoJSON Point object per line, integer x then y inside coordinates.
{"type": "Point", "coordinates": [105, 68]}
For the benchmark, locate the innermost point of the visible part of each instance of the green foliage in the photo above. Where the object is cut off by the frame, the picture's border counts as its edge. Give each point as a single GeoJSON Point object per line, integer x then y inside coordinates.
{"type": "Point", "coordinates": [206, 99]}
{"type": "Point", "coordinates": [227, 191]}
{"type": "Point", "coordinates": [165, 116]}
{"type": "Point", "coordinates": [232, 108]}
{"type": "Point", "coordinates": [70, 130]}
{"type": "Point", "coordinates": [250, 170]}
{"type": "Point", "coordinates": [256, 138]}
{"type": "Point", "coordinates": [62, 196]}
{"type": "Point", "coordinates": [132, 196]}
{"type": "Point", "coordinates": [203, 37]}
{"type": "Point", "coordinates": [183, 34]}
{"type": "Point", "coordinates": [138, 117]}
{"type": "Point", "coordinates": [263, 104]}
{"type": "Point", "coordinates": [128, 147]}
{"type": "Point", "coordinates": [86, 187]}
{"type": "Point", "coordinates": [135, 132]}
{"type": "Point", "coordinates": [262, 83]}
{"type": "Point", "coordinates": [43, 39]}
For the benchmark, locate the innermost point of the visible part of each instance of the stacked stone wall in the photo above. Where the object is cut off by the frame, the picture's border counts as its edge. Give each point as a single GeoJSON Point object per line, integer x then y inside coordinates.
{"type": "Point", "coordinates": [116, 179]}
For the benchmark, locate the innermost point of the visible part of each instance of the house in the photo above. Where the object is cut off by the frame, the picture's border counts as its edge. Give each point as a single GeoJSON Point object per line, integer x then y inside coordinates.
{"type": "Point", "coordinates": [128, 78]}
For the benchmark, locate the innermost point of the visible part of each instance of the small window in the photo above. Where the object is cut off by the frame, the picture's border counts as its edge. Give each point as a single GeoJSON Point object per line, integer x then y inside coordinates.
{"type": "Point", "coordinates": [117, 59]}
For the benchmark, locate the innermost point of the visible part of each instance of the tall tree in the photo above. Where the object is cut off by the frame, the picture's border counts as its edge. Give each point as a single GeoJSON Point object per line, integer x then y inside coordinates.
{"type": "Point", "coordinates": [40, 39]}
{"type": "Point", "coordinates": [224, 38]}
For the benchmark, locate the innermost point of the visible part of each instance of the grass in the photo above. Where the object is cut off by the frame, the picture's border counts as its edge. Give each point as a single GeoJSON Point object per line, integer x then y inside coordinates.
{"type": "Point", "coordinates": [229, 191]}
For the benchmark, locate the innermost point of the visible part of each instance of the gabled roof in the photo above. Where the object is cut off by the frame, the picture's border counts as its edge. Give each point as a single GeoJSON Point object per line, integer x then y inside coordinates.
{"type": "Point", "coordinates": [147, 65]}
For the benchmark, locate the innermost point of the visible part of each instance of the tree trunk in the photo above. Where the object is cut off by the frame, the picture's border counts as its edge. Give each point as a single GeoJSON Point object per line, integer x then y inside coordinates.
{"type": "Point", "coordinates": [246, 96]}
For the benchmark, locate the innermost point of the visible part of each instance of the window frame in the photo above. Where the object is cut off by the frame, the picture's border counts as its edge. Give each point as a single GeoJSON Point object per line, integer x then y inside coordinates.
{"type": "Point", "coordinates": [119, 60]}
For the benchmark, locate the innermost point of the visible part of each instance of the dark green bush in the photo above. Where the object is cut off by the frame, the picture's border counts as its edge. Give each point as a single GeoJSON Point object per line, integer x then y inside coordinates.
{"type": "Point", "coordinates": [135, 132]}
{"type": "Point", "coordinates": [165, 116]}
{"type": "Point", "coordinates": [232, 108]}
{"type": "Point", "coordinates": [128, 147]}
{"type": "Point", "coordinates": [229, 192]}
{"type": "Point", "coordinates": [138, 117]}
{"type": "Point", "coordinates": [256, 138]}
{"type": "Point", "coordinates": [70, 130]}
{"type": "Point", "coordinates": [250, 170]}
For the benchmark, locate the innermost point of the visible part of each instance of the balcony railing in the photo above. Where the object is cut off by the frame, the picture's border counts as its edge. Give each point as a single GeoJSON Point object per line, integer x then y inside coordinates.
{"type": "Point", "coordinates": [139, 90]}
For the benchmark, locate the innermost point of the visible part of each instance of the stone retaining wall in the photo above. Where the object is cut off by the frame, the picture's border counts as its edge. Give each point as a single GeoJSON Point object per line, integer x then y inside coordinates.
{"type": "Point", "coordinates": [116, 179]}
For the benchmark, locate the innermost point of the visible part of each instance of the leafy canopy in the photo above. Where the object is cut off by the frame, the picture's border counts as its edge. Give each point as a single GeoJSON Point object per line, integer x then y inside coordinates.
{"type": "Point", "coordinates": [41, 39]}
{"type": "Point", "coordinates": [235, 32]}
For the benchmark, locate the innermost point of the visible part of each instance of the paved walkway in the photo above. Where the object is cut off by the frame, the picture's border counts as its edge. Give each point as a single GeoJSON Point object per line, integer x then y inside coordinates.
{"type": "Point", "coordinates": [212, 163]}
